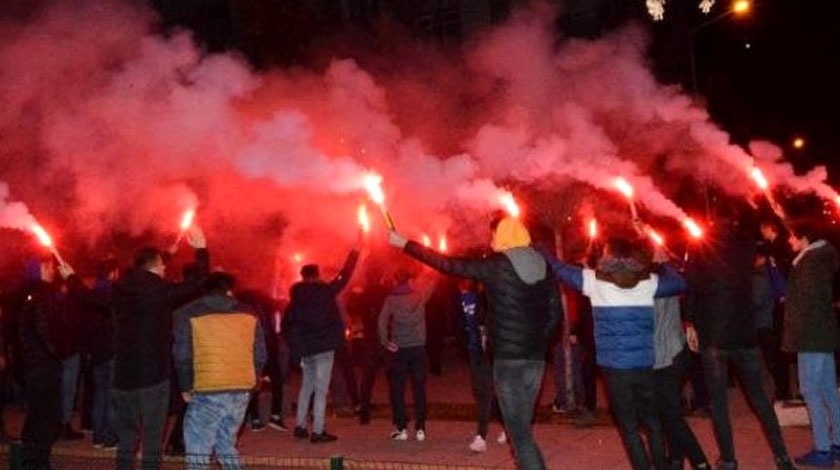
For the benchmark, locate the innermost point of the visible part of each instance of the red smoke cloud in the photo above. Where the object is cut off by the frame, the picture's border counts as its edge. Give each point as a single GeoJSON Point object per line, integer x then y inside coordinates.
{"type": "Point", "coordinates": [108, 127]}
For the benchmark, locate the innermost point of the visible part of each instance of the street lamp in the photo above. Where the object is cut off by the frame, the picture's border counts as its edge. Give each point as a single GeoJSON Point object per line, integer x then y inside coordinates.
{"type": "Point", "coordinates": [737, 8]}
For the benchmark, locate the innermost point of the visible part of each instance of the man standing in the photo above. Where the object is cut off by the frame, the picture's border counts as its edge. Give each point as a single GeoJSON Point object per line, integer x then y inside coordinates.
{"type": "Point", "coordinates": [810, 331]}
{"type": "Point", "coordinates": [219, 352]}
{"type": "Point", "coordinates": [143, 302]}
{"type": "Point", "coordinates": [314, 329]}
{"type": "Point", "coordinates": [524, 313]}
{"type": "Point", "coordinates": [405, 311]}
{"type": "Point", "coordinates": [719, 304]}
{"type": "Point", "coordinates": [40, 326]}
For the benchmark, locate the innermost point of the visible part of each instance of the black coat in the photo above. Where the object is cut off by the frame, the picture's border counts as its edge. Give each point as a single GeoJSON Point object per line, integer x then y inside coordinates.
{"type": "Point", "coordinates": [719, 297]}
{"type": "Point", "coordinates": [810, 320]}
{"type": "Point", "coordinates": [41, 321]}
{"type": "Point", "coordinates": [143, 303]}
{"type": "Point", "coordinates": [522, 317]}
{"type": "Point", "coordinates": [312, 323]}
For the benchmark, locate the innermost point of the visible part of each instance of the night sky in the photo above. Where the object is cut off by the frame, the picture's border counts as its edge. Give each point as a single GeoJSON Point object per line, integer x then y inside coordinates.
{"type": "Point", "coordinates": [765, 75]}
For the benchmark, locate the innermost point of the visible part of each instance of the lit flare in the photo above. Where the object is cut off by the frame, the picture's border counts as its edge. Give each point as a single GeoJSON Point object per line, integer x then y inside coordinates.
{"type": "Point", "coordinates": [509, 204]}
{"type": "Point", "coordinates": [442, 245]}
{"type": "Point", "coordinates": [593, 228]}
{"type": "Point", "coordinates": [372, 182]}
{"type": "Point", "coordinates": [759, 178]}
{"type": "Point", "coordinates": [693, 228]}
{"type": "Point", "coordinates": [364, 220]}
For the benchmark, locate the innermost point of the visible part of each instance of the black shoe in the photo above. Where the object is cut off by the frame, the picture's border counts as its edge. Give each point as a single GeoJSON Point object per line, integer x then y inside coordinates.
{"type": "Point", "coordinates": [70, 434]}
{"type": "Point", "coordinates": [322, 438]}
{"type": "Point", "coordinates": [300, 433]}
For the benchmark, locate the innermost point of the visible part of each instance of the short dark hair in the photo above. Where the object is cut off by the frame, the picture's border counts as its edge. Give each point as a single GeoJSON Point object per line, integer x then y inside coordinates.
{"type": "Point", "coordinates": [310, 271]}
{"type": "Point", "coordinates": [146, 257]}
{"type": "Point", "coordinates": [219, 282]}
{"type": "Point", "coordinates": [621, 247]}
{"type": "Point", "coordinates": [808, 228]}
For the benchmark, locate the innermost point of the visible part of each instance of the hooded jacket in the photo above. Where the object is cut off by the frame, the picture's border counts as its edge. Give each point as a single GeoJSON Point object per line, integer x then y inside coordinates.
{"type": "Point", "coordinates": [312, 322]}
{"type": "Point", "coordinates": [405, 310]}
{"type": "Point", "coordinates": [622, 308]}
{"type": "Point", "coordinates": [810, 321]}
{"type": "Point", "coordinates": [523, 305]}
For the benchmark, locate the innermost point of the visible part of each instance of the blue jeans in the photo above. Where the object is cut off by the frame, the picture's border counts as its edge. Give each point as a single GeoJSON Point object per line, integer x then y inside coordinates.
{"type": "Point", "coordinates": [69, 381]}
{"type": "Point", "coordinates": [747, 362]}
{"type": "Point", "coordinates": [210, 425]}
{"type": "Point", "coordinates": [517, 384]}
{"type": "Point", "coordinates": [102, 412]}
{"type": "Point", "coordinates": [317, 370]}
{"type": "Point", "coordinates": [818, 383]}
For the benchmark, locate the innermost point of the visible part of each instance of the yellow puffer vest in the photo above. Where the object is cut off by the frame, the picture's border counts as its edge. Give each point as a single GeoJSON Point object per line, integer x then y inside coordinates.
{"type": "Point", "coordinates": [223, 352]}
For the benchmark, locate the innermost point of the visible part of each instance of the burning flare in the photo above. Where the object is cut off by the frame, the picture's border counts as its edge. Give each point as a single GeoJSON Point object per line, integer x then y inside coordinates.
{"type": "Point", "coordinates": [759, 179]}
{"type": "Point", "coordinates": [509, 204]}
{"type": "Point", "coordinates": [373, 184]}
{"type": "Point", "coordinates": [187, 219]}
{"type": "Point", "coordinates": [442, 246]}
{"type": "Point", "coordinates": [427, 241]}
{"type": "Point", "coordinates": [593, 228]}
{"type": "Point", "coordinates": [43, 237]}
{"type": "Point", "coordinates": [655, 237]}
{"type": "Point", "coordinates": [693, 229]}
{"type": "Point", "coordinates": [364, 220]}
{"type": "Point", "coordinates": [623, 187]}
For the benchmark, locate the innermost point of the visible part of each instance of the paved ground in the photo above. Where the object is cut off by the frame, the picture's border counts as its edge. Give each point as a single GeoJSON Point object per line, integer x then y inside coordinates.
{"type": "Point", "coordinates": [564, 446]}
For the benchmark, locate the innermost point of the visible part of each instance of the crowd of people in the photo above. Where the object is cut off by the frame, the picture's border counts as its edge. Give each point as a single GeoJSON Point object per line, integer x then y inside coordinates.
{"type": "Point", "coordinates": [178, 365]}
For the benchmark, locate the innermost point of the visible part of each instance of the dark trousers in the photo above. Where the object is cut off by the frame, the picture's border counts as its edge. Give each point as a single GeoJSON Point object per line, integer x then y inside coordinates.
{"type": "Point", "coordinates": [344, 366]}
{"type": "Point", "coordinates": [102, 413]}
{"type": "Point", "coordinates": [481, 380]}
{"type": "Point", "coordinates": [747, 362]}
{"type": "Point", "coordinates": [143, 412]}
{"type": "Point", "coordinates": [371, 356]}
{"type": "Point", "coordinates": [777, 361]}
{"type": "Point", "coordinates": [42, 391]}
{"type": "Point", "coordinates": [408, 363]}
{"type": "Point", "coordinates": [681, 441]}
{"type": "Point", "coordinates": [517, 384]}
{"type": "Point", "coordinates": [278, 372]}
{"type": "Point", "coordinates": [589, 371]}
{"type": "Point", "coordinates": [633, 403]}
{"type": "Point", "coordinates": [697, 380]}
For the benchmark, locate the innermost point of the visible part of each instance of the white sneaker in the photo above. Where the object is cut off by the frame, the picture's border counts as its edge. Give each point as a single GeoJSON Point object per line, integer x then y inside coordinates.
{"type": "Point", "coordinates": [421, 435]}
{"type": "Point", "coordinates": [502, 438]}
{"type": "Point", "coordinates": [399, 435]}
{"type": "Point", "coordinates": [478, 444]}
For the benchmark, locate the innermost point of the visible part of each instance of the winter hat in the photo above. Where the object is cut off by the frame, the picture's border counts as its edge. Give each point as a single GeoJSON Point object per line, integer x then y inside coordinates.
{"type": "Point", "coordinates": [510, 233]}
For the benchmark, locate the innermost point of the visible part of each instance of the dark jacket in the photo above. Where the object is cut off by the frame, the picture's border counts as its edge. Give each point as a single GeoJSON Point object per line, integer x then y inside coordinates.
{"type": "Point", "coordinates": [219, 346]}
{"type": "Point", "coordinates": [143, 303]}
{"type": "Point", "coordinates": [522, 316]}
{"type": "Point", "coordinates": [40, 325]}
{"type": "Point", "coordinates": [312, 323]}
{"type": "Point", "coordinates": [810, 321]}
{"type": "Point", "coordinates": [719, 298]}
{"type": "Point", "coordinates": [99, 322]}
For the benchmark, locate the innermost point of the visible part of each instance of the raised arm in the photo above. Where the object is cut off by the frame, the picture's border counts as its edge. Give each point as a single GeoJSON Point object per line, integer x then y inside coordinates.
{"type": "Point", "coordinates": [343, 277]}
{"type": "Point", "coordinates": [670, 282]}
{"type": "Point", "coordinates": [568, 274]}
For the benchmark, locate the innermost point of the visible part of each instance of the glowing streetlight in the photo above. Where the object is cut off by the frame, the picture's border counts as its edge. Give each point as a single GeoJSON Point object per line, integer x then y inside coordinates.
{"type": "Point", "coordinates": [739, 8]}
{"type": "Point", "coordinates": [798, 143]}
